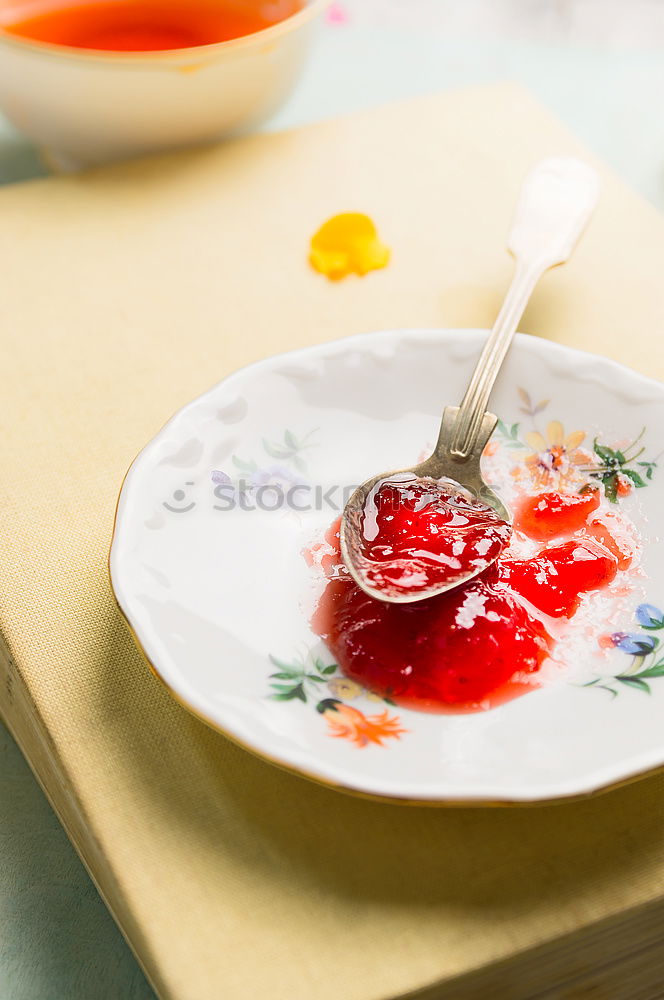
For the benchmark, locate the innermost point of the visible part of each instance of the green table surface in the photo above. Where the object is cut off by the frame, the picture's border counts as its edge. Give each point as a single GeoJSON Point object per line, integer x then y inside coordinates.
{"type": "Point", "coordinates": [600, 67]}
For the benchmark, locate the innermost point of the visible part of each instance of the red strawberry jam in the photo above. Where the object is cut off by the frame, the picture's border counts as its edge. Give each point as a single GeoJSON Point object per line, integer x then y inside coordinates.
{"type": "Point", "coordinates": [555, 580]}
{"type": "Point", "coordinates": [417, 534]}
{"type": "Point", "coordinates": [455, 650]}
{"type": "Point", "coordinates": [484, 641]}
{"type": "Point", "coordinates": [550, 515]}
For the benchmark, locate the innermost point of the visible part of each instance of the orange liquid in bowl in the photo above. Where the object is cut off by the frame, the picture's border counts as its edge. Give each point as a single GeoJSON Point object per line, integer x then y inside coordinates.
{"type": "Point", "coordinates": [150, 25]}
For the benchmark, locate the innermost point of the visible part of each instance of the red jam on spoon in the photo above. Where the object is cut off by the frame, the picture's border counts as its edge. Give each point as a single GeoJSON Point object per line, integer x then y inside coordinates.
{"type": "Point", "coordinates": [417, 534]}
{"type": "Point", "coordinates": [483, 642]}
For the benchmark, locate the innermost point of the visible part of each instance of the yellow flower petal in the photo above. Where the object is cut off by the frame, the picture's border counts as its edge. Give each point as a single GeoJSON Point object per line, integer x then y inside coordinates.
{"type": "Point", "coordinates": [342, 687]}
{"type": "Point", "coordinates": [574, 439]}
{"type": "Point", "coordinates": [555, 433]}
{"type": "Point", "coordinates": [347, 244]}
{"type": "Point", "coordinates": [535, 441]}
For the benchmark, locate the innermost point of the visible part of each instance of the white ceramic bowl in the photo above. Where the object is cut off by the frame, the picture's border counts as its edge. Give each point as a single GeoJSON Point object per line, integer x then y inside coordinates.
{"type": "Point", "coordinates": [220, 596]}
{"type": "Point", "coordinates": [83, 108]}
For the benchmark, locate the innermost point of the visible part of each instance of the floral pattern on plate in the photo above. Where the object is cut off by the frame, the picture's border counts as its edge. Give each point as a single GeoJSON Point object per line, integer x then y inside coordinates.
{"type": "Point", "coordinates": [647, 659]}
{"type": "Point", "coordinates": [557, 460]}
{"type": "Point", "coordinates": [306, 679]}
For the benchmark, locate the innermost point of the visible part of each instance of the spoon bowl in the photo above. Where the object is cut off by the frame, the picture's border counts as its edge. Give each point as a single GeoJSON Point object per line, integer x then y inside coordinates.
{"type": "Point", "coordinates": [440, 468]}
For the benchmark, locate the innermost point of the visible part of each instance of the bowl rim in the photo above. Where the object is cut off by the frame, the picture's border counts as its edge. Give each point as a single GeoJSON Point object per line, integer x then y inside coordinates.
{"type": "Point", "coordinates": [69, 53]}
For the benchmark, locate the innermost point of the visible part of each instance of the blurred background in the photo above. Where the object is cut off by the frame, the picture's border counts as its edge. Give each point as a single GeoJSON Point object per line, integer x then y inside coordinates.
{"type": "Point", "coordinates": [597, 64]}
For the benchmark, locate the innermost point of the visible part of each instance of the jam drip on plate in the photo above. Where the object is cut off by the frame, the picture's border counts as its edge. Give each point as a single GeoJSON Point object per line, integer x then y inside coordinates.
{"type": "Point", "coordinates": [556, 580]}
{"type": "Point", "coordinates": [483, 642]}
{"type": "Point", "coordinates": [418, 534]}
{"type": "Point", "coordinates": [552, 514]}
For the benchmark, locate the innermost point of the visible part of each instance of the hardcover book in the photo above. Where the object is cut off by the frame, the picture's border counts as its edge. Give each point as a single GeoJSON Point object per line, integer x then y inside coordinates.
{"type": "Point", "coordinates": [127, 291]}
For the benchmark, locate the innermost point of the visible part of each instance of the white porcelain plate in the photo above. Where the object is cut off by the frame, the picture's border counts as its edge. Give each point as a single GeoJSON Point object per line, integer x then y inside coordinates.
{"type": "Point", "coordinates": [218, 512]}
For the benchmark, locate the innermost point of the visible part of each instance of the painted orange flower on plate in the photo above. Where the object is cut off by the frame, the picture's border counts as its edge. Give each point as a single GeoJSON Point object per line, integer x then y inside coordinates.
{"type": "Point", "coordinates": [302, 678]}
{"type": "Point", "coordinates": [349, 723]}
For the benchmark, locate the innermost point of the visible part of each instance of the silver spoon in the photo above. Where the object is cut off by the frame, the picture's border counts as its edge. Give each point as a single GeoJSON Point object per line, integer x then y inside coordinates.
{"type": "Point", "coordinates": [555, 203]}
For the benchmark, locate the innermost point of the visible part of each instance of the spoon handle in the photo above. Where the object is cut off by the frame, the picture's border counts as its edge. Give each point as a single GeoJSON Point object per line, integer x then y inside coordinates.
{"type": "Point", "coordinates": [556, 201]}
